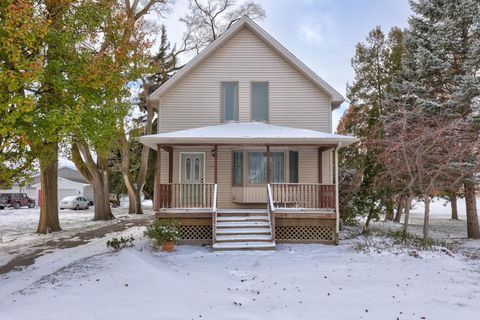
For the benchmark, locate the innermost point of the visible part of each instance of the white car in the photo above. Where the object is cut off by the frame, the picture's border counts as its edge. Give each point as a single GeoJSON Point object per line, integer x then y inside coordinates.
{"type": "Point", "coordinates": [74, 202]}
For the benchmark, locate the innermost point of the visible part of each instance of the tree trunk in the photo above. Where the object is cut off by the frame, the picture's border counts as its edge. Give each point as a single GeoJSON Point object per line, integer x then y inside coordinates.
{"type": "Point", "coordinates": [389, 208]}
{"type": "Point", "coordinates": [408, 206]}
{"type": "Point", "coordinates": [473, 229]}
{"type": "Point", "coordinates": [142, 171]}
{"type": "Point", "coordinates": [134, 205]}
{"type": "Point", "coordinates": [453, 204]}
{"type": "Point", "coordinates": [401, 203]}
{"type": "Point", "coordinates": [48, 221]}
{"type": "Point", "coordinates": [369, 218]}
{"type": "Point", "coordinates": [97, 175]}
{"type": "Point", "coordinates": [426, 219]}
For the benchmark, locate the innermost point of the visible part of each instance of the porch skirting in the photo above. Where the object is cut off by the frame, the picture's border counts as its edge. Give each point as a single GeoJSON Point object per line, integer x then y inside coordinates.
{"type": "Point", "coordinates": [196, 228]}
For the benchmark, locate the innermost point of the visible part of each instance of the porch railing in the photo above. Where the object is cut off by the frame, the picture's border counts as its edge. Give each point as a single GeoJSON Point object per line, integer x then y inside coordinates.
{"type": "Point", "coordinates": [271, 210]}
{"type": "Point", "coordinates": [303, 195]}
{"type": "Point", "coordinates": [186, 195]}
{"type": "Point", "coordinates": [214, 212]}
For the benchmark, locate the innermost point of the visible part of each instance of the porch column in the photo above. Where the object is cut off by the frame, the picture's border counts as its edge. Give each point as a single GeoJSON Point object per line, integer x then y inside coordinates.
{"type": "Point", "coordinates": [337, 211]}
{"type": "Point", "coordinates": [268, 164]}
{"type": "Point", "coordinates": [215, 162]}
{"type": "Point", "coordinates": [320, 165]}
{"type": "Point", "coordinates": [156, 197]}
{"type": "Point", "coordinates": [170, 165]}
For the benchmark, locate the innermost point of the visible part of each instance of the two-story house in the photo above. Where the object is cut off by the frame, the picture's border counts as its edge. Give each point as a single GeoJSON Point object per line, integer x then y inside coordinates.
{"type": "Point", "coordinates": [247, 154]}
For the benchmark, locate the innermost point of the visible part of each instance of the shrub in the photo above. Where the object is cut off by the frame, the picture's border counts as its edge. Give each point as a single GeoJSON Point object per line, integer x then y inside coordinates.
{"type": "Point", "coordinates": [162, 231]}
{"type": "Point", "coordinates": [116, 244]}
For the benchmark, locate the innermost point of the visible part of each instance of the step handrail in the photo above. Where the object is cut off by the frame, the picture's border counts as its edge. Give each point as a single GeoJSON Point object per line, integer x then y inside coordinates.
{"type": "Point", "coordinates": [214, 213]}
{"type": "Point", "coordinates": [271, 210]}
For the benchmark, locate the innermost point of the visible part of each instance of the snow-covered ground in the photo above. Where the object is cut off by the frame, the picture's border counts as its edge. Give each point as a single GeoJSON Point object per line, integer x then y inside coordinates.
{"type": "Point", "coordinates": [293, 282]}
{"type": "Point", "coordinates": [18, 227]}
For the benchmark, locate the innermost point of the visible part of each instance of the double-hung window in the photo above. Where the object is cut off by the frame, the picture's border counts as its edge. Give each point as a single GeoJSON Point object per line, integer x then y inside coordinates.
{"type": "Point", "coordinates": [229, 101]}
{"type": "Point", "coordinates": [259, 101]}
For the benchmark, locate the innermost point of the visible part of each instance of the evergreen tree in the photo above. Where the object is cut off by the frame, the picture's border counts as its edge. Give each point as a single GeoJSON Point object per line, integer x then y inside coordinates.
{"type": "Point", "coordinates": [375, 63]}
{"type": "Point", "coordinates": [441, 76]}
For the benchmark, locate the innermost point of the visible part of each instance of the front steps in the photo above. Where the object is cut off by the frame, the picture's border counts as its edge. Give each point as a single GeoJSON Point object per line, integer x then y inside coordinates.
{"type": "Point", "coordinates": [243, 230]}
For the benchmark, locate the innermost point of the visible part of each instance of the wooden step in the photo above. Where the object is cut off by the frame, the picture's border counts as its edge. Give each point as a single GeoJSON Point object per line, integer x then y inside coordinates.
{"type": "Point", "coordinates": [242, 218]}
{"type": "Point", "coordinates": [243, 211]}
{"type": "Point", "coordinates": [242, 224]}
{"type": "Point", "coordinates": [238, 231]}
{"type": "Point", "coordinates": [244, 238]}
{"type": "Point", "coordinates": [250, 245]}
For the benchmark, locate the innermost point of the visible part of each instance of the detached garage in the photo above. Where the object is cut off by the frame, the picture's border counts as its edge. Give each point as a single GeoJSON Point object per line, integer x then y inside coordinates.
{"type": "Point", "coordinates": [66, 188]}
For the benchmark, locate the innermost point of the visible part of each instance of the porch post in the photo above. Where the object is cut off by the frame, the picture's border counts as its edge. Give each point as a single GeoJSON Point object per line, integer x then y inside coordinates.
{"type": "Point", "coordinates": [268, 164]}
{"type": "Point", "coordinates": [156, 196]}
{"type": "Point", "coordinates": [337, 211]}
{"type": "Point", "coordinates": [320, 165]}
{"type": "Point", "coordinates": [170, 165]}
{"type": "Point", "coordinates": [215, 161]}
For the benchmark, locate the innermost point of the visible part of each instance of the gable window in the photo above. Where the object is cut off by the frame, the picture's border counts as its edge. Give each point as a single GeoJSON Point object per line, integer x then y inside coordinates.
{"type": "Point", "coordinates": [230, 101]}
{"type": "Point", "coordinates": [293, 163]}
{"type": "Point", "coordinates": [257, 167]}
{"type": "Point", "coordinates": [259, 101]}
{"type": "Point", "coordinates": [237, 167]}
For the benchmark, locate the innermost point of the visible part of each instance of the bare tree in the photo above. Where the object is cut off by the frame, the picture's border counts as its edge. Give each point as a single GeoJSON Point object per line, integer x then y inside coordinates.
{"type": "Point", "coordinates": [208, 20]}
{"type": "Point", "coordinates": [425, 152]}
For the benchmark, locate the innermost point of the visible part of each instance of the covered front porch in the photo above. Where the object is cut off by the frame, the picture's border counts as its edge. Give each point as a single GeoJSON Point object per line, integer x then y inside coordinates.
{"type": "Point", "coordinates": [282, 176]}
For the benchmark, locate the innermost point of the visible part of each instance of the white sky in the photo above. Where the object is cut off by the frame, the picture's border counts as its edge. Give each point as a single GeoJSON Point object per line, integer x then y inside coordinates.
{"type": "Point", "coordinates": [321, 33]}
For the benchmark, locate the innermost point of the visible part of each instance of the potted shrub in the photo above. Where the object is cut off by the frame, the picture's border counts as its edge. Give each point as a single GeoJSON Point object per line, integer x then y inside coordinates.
{"type": "Point", "coordinates": [164, 233]}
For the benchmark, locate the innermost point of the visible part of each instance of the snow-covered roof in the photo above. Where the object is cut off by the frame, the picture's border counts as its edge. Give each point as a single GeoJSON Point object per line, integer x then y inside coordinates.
{"type": "Point", "coordinates": [247, 133]}
{"type": "Point", "coordinates": [336, 98]}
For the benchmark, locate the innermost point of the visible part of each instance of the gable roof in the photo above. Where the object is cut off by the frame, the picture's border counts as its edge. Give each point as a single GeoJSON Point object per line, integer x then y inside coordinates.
{"type": "Point", "coordinates": [336, 98]}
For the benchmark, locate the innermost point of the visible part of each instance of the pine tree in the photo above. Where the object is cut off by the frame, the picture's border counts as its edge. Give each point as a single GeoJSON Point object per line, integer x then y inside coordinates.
{"type": "Point", "coordinates": [376, 63]}
{"type": "Point", "coordinates": [441, 75]}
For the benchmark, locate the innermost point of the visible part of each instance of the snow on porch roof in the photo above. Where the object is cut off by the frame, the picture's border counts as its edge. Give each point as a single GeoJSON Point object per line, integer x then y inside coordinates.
{"type": "Point", "coordinates": [246, 133]}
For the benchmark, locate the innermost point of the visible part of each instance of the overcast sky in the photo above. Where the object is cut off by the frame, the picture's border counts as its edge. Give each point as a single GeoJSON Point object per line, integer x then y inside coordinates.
{"type": "Point", "coordinates": [321, 33]}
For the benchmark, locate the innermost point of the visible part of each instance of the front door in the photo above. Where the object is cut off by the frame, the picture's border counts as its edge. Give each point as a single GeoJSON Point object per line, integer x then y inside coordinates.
{"type": "Point", "coordinates": [192, 178]}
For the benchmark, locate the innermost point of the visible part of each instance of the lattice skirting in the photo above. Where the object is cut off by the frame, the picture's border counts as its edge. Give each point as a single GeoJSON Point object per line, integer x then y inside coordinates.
{"type": "Point", "coordinates": [305, 233]}
{"type": "Point", "coordinates": [193, 232]}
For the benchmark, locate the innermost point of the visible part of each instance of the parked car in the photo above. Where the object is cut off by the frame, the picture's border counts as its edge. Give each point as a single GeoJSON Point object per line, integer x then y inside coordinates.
{"type": "Point", "coordinates": [74, 202]}
{"type": "Point", "coordinates": [16, 200]}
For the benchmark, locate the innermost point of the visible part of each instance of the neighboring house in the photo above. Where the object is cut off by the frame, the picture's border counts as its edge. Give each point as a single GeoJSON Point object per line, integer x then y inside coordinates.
{"type": "Point", "coordinates": [70, 183]}
{"type": "Point", "coordinates": [247, 154]}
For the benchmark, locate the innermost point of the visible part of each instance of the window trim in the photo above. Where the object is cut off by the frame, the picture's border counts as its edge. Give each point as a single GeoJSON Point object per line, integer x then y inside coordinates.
{"type": "Point", "coordinates": [268, 101]}
{"type": "Point", "coordinates": [222, 109]}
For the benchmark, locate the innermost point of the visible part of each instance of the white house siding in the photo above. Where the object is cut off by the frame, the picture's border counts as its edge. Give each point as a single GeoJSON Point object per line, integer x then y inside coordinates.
{"type": "Point", "coordinates": [293, 99]}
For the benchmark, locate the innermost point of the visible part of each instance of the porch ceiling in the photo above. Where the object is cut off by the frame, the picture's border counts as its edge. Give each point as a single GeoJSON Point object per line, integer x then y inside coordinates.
{"type": "Point", "coordinates": [249, 133]}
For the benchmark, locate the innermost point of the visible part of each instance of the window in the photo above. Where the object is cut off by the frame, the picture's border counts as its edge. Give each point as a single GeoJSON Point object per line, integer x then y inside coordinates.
{"type": "Point", "coordinates": [257, 167]}
{"type": "Point", "coordinates": [293, 158]}
{"type": "Point", "coordinates": [277, 166]}
{"type": "Point", "coordinates": [230, 101]}
{"type": "Point", "coordinates": [237, 174]}
{"type": "Point", "coordinates": [259, 101]}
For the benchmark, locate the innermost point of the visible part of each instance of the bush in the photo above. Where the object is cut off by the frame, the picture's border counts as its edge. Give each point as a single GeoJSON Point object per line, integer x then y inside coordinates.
{"type": "Point", "coordinates": [116, 244]}
{"type": "Point", "coordinates": [162, 231]}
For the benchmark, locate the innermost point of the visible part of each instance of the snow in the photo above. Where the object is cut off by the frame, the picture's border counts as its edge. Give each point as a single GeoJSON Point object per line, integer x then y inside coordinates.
{"type": "Point", "coordinates": [441, 227]}
{"type": "Point", "coordinates": [248, 132]}
{"type": "Point", "coordinates": [18, 227]}
{"type": "Point", "coordinates": [294, 282]}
